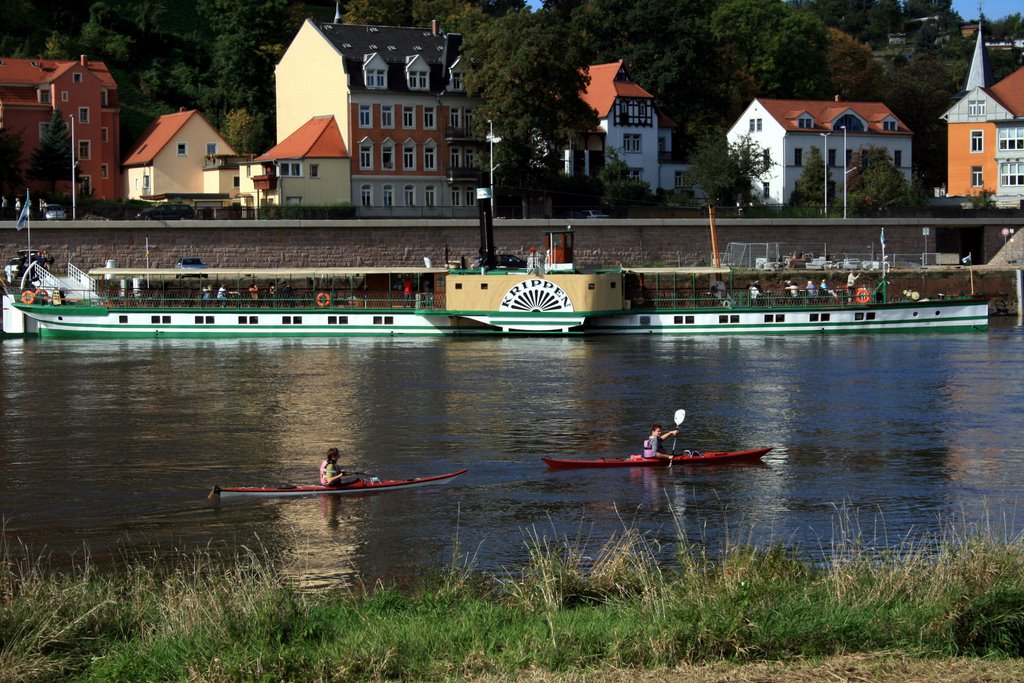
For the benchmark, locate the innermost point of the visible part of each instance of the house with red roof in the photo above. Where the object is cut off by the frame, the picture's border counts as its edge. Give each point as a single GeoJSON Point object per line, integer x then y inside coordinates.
{"type": "Point", "coordinates": [985, 133]}
{"type": "Point", "coordinates": [398, 98]}
{"type": "Point", "coordinates": [628, 122]}
{"type": "Point", "coordinates": [182, 157]}
{"type": "Point", "coordinates": [788, 129]}
{"type": "Point", "coordinates": [86, 95]}
{"type": "Point", "coordinates": [310, 166]}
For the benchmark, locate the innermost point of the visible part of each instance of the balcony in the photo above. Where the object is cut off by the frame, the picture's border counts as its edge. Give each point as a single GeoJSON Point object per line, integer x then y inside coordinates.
{"type": "Point", "coordinates": [462, 173]}
{"type": "Point", "coordinates": [452, 133]}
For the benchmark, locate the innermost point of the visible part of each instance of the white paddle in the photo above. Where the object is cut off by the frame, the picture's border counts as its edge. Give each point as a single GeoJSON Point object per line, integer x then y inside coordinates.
{"type": "Point", "coordinates": [679, 417]}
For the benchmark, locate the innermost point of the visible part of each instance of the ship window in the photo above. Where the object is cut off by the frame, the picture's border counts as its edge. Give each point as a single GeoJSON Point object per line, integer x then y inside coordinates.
{"type": "Point", "coordinates": [483, 285]}
{"type": "Point", "coordinates": [458, 285]}
{"type": "Point", "coordinates": [814, 317]}
{"type": "Point", "coordinates": [683, 320]}
{"type": "Point", "coordinates": [613, 285]}
{"type": "Point", "coordinates": [858, 316]}
{"type": "Point", "coordinates": [645, 320]}
{"type": "Point", "coordinates": [727, 319]}
{"type": "Point", "coordinates": [590, 285]}
{"type": "Point", "coordinates": [337, 320]}
{"type": "Point", "coordinates": [199, 320]}
{"type": "Point", "coordinates": [915, 314]}
{"type": "Point", "coordinates": [937, 313]}
{"type": "Point", "coordinates": [871, 316]}
{"type": "Point", "coordinates": [122, 318]}
{"type": "Point", "coordinates": [154, 319]}
{"type": "Point", "coordinates": [383, 320]}
{"type": "Point", "coordinates": [292, 320]}
{"type": "Point", "coordinates": [243, 319]}
{"type": "Point", "coordinates": [248, 320]}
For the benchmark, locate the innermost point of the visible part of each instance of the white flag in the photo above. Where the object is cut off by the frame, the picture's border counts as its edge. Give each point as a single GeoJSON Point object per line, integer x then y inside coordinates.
{"type": "Point", "coordinates": [23, 218]}
{"type": "Point", "coordinates": [882, 238]}
{"type": "Point", "coordinates": [966, 260]}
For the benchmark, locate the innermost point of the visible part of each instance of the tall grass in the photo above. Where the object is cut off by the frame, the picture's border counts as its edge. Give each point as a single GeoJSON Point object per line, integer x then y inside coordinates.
{"type": "Point", "coordinates": [571, 607]}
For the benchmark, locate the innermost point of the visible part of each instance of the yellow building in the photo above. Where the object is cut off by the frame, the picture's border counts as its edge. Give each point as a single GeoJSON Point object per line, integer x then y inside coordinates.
{"type": "Point", "coordinates": [181, 156]}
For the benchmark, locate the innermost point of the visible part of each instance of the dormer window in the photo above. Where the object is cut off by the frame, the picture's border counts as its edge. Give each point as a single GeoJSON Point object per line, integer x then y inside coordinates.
{"type": "Point", "coordinates": [850, 122]}
{"type": "Point", "coordinates": [456, 74]}
{"type": "Point", "coordinates": [375, 72]}
{"type": "Point", "coordinates": [805, 122]}
{"type": "Point", "coordinates": [890, 124]}
{"type": "Point", "coordinates": [417, 74]}
{"type": "Point", "coordinates": [44, 95]}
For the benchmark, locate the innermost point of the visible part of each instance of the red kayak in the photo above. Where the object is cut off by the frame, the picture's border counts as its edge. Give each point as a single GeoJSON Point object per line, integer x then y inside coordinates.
{"type": "Point", "coordinates": [687, 458]}
{"type": "Point", "coordinates": [359, 485]}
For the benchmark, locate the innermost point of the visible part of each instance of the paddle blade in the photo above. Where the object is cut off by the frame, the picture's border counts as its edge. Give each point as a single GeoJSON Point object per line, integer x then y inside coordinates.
{"type": "Point", "coordinates": [680, 416]}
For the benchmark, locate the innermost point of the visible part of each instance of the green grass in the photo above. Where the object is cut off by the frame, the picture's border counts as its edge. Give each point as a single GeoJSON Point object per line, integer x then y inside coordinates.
{"type": "Point", "coordinates": [566, 610]}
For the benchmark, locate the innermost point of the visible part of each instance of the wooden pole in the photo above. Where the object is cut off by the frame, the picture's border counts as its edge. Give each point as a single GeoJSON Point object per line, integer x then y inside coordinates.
{"type": "Point", "coordinates": [714, 237]}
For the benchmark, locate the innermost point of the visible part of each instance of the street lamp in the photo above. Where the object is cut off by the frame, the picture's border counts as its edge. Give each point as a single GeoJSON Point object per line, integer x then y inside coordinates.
{"type": "Point", "coordinates": [845, 171]}
{"type": "Point", "coordinates": [491, 139]}
{"type": "Point", "coordinates": [824, 158]}
{"type": "Point", "coordinates": [74, 167]}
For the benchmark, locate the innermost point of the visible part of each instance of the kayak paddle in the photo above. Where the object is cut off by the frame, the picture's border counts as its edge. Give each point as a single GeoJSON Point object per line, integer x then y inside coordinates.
{"type": "Point", "coordinates": [679, 417]}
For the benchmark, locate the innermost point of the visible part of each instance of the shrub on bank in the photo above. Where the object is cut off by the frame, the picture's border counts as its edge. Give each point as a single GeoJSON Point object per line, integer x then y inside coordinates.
{"type": "Point", "coordinates": [566, 609]}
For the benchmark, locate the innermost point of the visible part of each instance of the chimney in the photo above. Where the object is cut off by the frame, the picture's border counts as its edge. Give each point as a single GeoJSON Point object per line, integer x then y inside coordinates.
{"type": "Point", "coordinates": [182, 110]}
{"type": "Point", "coordinates": [83, 60]}
{"type": "Point", "coordinates": [434, 28]}
{"type": "Point", "coordinates": [838, 99]}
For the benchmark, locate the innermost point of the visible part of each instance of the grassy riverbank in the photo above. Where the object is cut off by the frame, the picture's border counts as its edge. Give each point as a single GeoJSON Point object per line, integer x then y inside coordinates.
{"type": "Point", "coordinates": [563, 614]}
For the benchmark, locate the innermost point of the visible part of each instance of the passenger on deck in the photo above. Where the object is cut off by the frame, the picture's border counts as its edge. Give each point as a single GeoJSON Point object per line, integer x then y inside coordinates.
{"type": "Point", "coordinates": [254, 291]}
{"type": "Point", "coordinates": [652, 444]}
{"type": "Point", "coordinates": [812, 290]}
{"type": "Point", "coordinates": [791, 288]}
{"type": "Point", "coordinates": [222, 296]}
{"type": "Point", "coordinates": [851, 282]}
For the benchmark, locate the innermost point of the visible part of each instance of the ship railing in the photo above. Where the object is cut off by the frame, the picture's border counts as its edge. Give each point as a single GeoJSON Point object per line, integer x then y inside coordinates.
{"type": "Point", "coordinates": [188, 298]}
{"type": "Point", "coordinates": [670, 300]}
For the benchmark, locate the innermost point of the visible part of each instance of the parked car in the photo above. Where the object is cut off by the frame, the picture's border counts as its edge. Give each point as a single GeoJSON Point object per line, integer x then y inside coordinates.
{"type": "Point", "coordinates": [504, 262]}
{"type": "Point", "coordinates": [593, 213]}
{"type": "Point", "coordinates": [167, 212]}
{"type": "Point", "coordinates": [190, 263]}
{"type": "Point", "coordinates": [15, 267]}
{"type": "Point", "coordinates": [55, 212]}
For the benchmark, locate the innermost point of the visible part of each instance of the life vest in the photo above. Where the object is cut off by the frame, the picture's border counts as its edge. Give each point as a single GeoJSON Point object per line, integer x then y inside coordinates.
{"type": "Point", "coordinates": [327, 470]}
{"type": "Point", "coordinates": [650, 448]}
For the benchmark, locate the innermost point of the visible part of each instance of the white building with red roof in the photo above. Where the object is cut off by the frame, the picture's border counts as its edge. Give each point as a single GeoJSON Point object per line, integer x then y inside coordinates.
{"type": "Point", "coordinates": [311, 166]}
{"type": "Point", "coordinates": [181, 156]}
{"type": "Point", "coordinates": [840, 130]}
{"type": "Point", "coordinates": [86, 95]}
{"type": "Point", "coordinates": [630, 123]}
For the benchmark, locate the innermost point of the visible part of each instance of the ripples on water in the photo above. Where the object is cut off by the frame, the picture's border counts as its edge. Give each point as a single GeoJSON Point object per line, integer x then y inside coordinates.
{"type": "Point", "coordinates": [110, 447]}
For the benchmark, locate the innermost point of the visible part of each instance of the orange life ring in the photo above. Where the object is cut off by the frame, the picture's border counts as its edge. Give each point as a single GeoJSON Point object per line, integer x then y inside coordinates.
{"type": "Point", "coordinates": [323, 299]}
{"type": "Point", "coordinates": [28, 297]}
{"type": "Point", "coordinates": [863, 295]}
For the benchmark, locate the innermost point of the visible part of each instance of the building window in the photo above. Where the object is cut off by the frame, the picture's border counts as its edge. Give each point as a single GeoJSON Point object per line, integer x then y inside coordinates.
{"type": "Point", "coordinates": [976, 108]}
{"type": "Point", "coordinates": [635, 173]}
{"type": "Point", "coordinates": [236, 182]}
{"type": "Point", "coordinates": [365, 115]}
{"type": "Point", "coordinates": [805, 122]}
{"type": "Point", "coordinates": [211, 149]}
{"type": "Point", "coordinates": [850, 122]}
{"type": "Point", "coordinates": [831, 157]}
{"type": "Point", "coordinates": [890, 125]}
{"type": "Point", "coordinates": [409, 157]}
{"type": "Point", "coordinates": [758, 124]}
{"type": "Point", "coordinates": [145, 182]}
{"type": "Point", "coordinates": [455, 157]}
{"type": "Point", "coordinates": [897, 158]}
{"type": "Point", "coordinates": [408, 117]}
{"type": "Point", "coordinates": [409, 195]}
{"type": "Point", "coordinates": [631, 142]}
{"type": "Point", "coordinates": [429, 120]}
{"type": "Point", "coordinates": [64, 96]}
{"type": "Point", "coordinates": [470, 156]}
{"type": "Point", "coordinates": [83, 114]}
{"type": "Point", "coordinates": [44, 95]}
{"type": "Point", "coordinates": [456, 197]}
{"type": "Point", "coordinates": [798, 156]}
{"type": "Point", "coordinates": [389, 195]}
{"type": "Point", "coordinates": [429, 158]}
{"type": "Point", "coordinates": [417, 80]}
{"type": "Point", "coordinates": [430, 195]}
{"type": "Point", "coordinates": [365, 156]}
{"type": "Point", "coordinates": [1011, 139]}
{"type": "Point", "coordinates": [376, 79]}
{"type": "Point", "coordinates": [470, 196]}
{"type": "Point", "coordinates": [366, 195]}
{"type": "Point", "coordinates": [680, 179]}
{"type": "Point", "coordinates": [104, 134]}
{"type": "Point", "coordinates": [289, 169]}
{"type": "Point", "coordinates": [387, 116]}
{"type": "Point", "coordinates": [84, 150]}
{"type": "Point", "coordinates": [977, 178]}
{"type": "Point", "coordinates": [1011, 174]}
{"type": "Point", "coordinates": [387, 157]}
{"type": "Point", "coordinates": [456, 83]}
{"type": "Point", "coordinates": [766, 191]}
{"type": "Point", "coordinates": [977, 141]}
{"type": "Point", "coordinates": [104, 171]}
{"type": "Point", "coordinates": [182, 149]}
{"type": "Point", "coordinates": [314, 170]}
{"type": "Point", "coordinates": [455, 118]}
{"type": "Point", "coordinates": [104, 98]}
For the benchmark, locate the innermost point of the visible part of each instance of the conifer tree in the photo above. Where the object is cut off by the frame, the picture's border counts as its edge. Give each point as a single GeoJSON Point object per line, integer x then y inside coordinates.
{"type": "Point", "coordinates": [51, 160]}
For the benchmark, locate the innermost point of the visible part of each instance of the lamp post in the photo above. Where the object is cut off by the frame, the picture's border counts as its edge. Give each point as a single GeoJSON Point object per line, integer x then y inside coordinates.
{"type": "Point", "coordinates": [824, 158]}
{"type": "Point", "coordinates": [74, 167]}
{"type": "Point", "coordinates": [491, 139]}
{"type": "Point", "coordinates": [845, 171]}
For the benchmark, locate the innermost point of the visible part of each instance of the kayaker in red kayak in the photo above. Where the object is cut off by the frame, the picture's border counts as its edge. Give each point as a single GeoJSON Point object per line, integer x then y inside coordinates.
{"type": "Point", "coordinates": [652, 444]}
{"type": "Point", "coordinates": [329, 472]}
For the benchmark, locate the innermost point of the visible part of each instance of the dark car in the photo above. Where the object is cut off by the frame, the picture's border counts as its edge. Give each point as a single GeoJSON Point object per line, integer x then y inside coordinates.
{"type": "Point", "coordinates": [504, 262]}
{"type": "Point", "coordinates": [167, 212]}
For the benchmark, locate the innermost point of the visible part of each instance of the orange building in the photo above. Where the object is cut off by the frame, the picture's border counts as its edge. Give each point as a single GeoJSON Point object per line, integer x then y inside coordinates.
{"type": "Point", "coordinates": [86, 95]}
{"type": "Point", "coordinates": [985, 132]}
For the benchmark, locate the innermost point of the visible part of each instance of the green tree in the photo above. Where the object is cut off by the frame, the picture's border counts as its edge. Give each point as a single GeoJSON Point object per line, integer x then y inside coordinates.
{"type": "Point", "coordinates": [619, 189]}
{"type": "Point", "coordinates": [10, 162]}
{"type": "Point", "coordinates": [102, 35]}
{"type": "Point", "coordinates": [51, 160]}
{"type": "Point", "coordinates": [527, 67]}
{"type": "Point", "coordinates": [854, 71]}
{"type": "Point", "coordinates": [684, 74]}
{"type": "Point", "coordinates": [876, 183]}
{"type": "Point", "coordinates": [378, 12]}
{"type": "Point", "coordinates": [243, 130]}
{"type": "Point", "coordinates": [773, 49]}
{"type": "Point", "coordinates": [810, 186]}
{"type": "Point", "coordinates": [726, 171]}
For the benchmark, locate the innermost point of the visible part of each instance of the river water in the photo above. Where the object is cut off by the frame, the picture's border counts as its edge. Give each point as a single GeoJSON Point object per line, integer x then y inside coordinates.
{"type": "Point", "coordinates": [109, 448]}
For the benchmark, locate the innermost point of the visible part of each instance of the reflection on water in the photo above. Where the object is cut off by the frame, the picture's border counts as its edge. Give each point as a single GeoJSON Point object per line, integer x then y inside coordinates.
{"type": "Point", "coordinates": [112, 445]}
